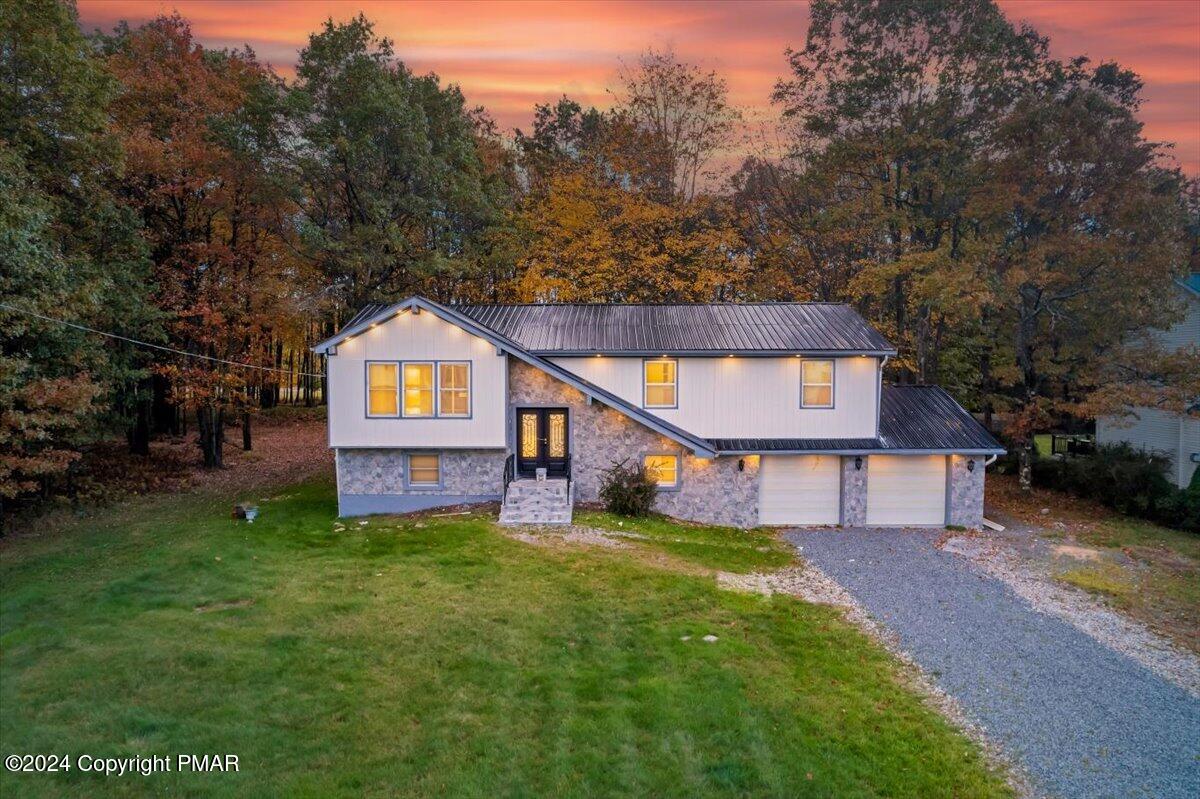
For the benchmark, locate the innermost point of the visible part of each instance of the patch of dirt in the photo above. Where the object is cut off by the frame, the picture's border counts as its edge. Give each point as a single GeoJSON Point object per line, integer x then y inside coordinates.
{"type": "Point", "coordinates": [230, 605]}
{"type": "Point", "coordinates": [558, 535]}
{"type": "Point", "coordinates": [1079, 553]}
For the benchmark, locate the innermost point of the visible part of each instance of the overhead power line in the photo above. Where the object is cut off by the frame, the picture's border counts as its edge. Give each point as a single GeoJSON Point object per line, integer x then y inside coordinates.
{"type": "Point", "coordinates": [15, 309]}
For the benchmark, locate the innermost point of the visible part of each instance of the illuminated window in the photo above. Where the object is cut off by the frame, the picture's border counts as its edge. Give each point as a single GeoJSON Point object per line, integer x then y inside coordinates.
{"type": "Point", "coordinates": [454, 389]}
{"type": "Point", "coordinates": [382, 397]}
{"type": "Point", "coordinates": [425, 470]}
{"type": "Point", "coordinates": [418, 389]}
{"type": "Point", "coordinates": [660, 383]}
{"type": "Point", "coordinates": [816, 384]}
{"type": "Point", "coordinates": [663, 470]}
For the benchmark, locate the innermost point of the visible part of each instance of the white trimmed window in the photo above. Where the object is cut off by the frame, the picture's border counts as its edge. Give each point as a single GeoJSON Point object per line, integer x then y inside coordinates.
{"type": "Point", "coordinates": [418, 389]}
{"type": "Point", "coordinates": [660, 383]}
{"type": "Point", "coordinates": [425, 470]}
{"type": "Point", "coordinates": [383, 398]}
{"type": "Point", "coordinates": [816, 384]}
{"type": "Point", "coordinates": [663, 470]}
{"type": "Point", "coordinates": [454, 389]}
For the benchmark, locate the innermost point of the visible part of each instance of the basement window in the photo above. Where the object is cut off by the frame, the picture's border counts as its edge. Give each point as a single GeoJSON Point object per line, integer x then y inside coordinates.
{"type": "Point", "coordinates": [425, 470]}
{"type": "Point", "coordinates": [663, 470]}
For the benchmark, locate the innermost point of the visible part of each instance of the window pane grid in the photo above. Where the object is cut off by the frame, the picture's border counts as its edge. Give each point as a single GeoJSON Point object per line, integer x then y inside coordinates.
{"type": "Point", "coordinates": [659, 378]}
{"type": "Point", "coordinates": [816, 384]}
{"type": "Point", "coordinates": [663, 470]}
{"type": "Point", "coordinates": [454, 390]}
{"type": "Point", "coordinates": [424, 470]}
{"type": "Point", "coordinates": [381, 389]}
{"type": "Point", "coordinates": [418, 389]}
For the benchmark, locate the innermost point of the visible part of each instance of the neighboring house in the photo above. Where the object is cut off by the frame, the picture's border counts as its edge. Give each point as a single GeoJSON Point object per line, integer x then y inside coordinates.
{"type": "Point", "coordinates": [769, 413]}
{"type": "Point", "coordinates": [1153, 430]}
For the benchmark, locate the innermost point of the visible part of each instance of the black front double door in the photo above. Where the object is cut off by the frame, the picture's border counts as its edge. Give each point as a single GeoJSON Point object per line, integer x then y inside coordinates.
{"type": "Point", "coordinates": [542, 440]}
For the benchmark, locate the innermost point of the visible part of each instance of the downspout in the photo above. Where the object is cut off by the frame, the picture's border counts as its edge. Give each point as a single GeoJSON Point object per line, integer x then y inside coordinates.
{"type": "Point", "coordinates": [879, 394]}
{"type": "Point", "coordinates": [991, 459]}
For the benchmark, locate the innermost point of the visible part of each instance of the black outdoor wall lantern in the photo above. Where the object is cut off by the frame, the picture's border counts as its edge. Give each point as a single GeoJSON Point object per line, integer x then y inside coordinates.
{"type": "Point", "coordinates": [858, 464]}
{"type": "Point", "coordinates": [971, 465]}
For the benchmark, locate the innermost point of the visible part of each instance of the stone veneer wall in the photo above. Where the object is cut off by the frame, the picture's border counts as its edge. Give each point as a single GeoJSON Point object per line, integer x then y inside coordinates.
{"type": "Point", "coordinates": [854, 492]}
{"type": "Point", "coordinates": [372, 480]}
{"type": "Point", "coordinates": [964, 495]}
{"type": "Point", "coordinates": [712, 491]}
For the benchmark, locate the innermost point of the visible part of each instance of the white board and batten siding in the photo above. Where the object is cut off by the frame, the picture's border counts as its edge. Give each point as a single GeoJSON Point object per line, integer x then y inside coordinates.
{"type": "Point", "coordinates": [800, 489]}
{"type": "Point", "coordinates": [906, 490]}
{"type": "Point", "coordinates": [748, 397]}
{"type": "Point", "coordinates": [416, 337]}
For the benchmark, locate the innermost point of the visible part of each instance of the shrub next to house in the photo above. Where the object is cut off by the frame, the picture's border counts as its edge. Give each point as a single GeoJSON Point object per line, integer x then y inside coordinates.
{"type": "Point", "coordinates": [628, 490]}
{"type": "Point", "coordinates": [1127, 480]}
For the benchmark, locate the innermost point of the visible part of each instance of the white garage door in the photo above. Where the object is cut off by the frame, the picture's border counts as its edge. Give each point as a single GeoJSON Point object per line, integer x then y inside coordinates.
{"type": "Point", "coordinates": [906, 489]}
{"type": "Point", "coordinates": [799, 489]}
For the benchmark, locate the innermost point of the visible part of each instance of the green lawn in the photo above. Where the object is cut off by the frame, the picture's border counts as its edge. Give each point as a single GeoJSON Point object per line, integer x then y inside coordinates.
{"type": "Point", "coordinates": [437, 657]}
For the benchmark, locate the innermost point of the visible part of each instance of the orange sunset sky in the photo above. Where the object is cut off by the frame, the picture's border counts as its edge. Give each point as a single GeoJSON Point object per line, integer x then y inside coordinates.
{"type": "Point", "coordinates": [507, 56]}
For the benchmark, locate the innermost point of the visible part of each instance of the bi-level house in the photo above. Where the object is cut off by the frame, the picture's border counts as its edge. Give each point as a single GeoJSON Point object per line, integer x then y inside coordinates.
{"type": "Point", "coordinates": [771, 413]}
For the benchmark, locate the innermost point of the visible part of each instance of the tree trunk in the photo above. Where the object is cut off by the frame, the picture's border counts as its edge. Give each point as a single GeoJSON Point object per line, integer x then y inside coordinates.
{"type": "Point", "coordinates": [246, 442]}
{"type": "Point", "coordinates": [1025, 456]}
{"type": "Point", "coordinates": [139, 430]}
{"type": "Point", "coordinates": [210, 428]}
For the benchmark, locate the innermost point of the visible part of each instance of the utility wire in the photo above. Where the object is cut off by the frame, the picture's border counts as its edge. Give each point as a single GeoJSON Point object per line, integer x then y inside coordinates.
{"type": "Point", "coordinates": [15, 309]}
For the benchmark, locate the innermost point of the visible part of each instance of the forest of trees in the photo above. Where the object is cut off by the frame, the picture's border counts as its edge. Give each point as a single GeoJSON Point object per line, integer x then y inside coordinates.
{"type": "Point", "coordinates": [996, 212]}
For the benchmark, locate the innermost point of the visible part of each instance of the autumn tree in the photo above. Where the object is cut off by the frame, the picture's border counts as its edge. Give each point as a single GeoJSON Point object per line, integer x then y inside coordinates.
{"type": "Point", "coordinates": [1082, 231]}
{"type": "Point", "coordinates": [201, 132]}
{"type": "Point", "coordinates": [68, 250]}
{"type": "Point", "coordinates": [617, 208]}
{"type": "Point", "coordinates": [889, 104]}
{"type": "Point", "coordinates": [394, 194]}
{"type": "Point", "coordinates": [678, 119]}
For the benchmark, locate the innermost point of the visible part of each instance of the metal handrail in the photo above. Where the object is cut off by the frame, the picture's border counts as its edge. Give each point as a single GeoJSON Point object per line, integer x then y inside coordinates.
{"type": "Point", "coordinates": [568, 475]}
{"type": "Point", "coordinates": [509, 473]}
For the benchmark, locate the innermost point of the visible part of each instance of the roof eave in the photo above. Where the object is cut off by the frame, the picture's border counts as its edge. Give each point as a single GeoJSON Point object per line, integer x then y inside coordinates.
{"type": "Point", "coordinates": [714, 353]}
{"type": "Point", "coordinates": [698, 445]}
{"type": "Point", "coordinates": [875, 451]}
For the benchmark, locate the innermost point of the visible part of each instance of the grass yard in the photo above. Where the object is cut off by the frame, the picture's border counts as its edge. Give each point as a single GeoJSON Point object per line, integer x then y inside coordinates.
{"type": "Point", "coordinates": [437, 656]}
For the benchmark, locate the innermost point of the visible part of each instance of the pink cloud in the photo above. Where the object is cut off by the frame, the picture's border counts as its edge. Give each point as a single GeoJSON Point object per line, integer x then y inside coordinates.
{"type": "Point", "coordinates": [509, 55]}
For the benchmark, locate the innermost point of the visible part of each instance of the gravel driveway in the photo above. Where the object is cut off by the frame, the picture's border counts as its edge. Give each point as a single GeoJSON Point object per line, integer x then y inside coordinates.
{"type": "Point", "coordinates": [1081, 719]}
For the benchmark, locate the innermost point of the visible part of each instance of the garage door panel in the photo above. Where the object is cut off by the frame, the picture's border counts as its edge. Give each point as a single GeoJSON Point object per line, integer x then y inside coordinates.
{"type": "Point", "coordinates": [906, 489]}
{"type": "Point", "coordinates": [800, 489]}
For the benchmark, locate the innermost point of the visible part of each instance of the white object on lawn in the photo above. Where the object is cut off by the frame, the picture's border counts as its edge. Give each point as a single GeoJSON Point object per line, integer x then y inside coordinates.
{"type": "Point", "coordinates": [991, 525]}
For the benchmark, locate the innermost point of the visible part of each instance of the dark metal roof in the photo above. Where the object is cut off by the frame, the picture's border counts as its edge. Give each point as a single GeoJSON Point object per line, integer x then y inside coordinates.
{"type": "Point", "coordinates": [926, 417]}
{"type": "Point", "coordinates": [365, 312]}
{"type": "Point", "coordinates": [683, 329]}
{"type": "Point", "coordinates": [911, 419]}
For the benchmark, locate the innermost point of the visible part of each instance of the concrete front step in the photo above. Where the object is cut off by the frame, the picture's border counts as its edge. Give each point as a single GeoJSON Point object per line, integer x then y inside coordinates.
{"type": "Point", "coordinates": [534, 502]}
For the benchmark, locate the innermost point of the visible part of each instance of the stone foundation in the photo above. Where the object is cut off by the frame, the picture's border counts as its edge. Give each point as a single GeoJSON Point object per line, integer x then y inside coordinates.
{"type": "Point", "coordinates": [712, 491]}
{"type": "Point", "coordinates": [372, 480]}
{"type": "Point", "coordinates": [964, 492]}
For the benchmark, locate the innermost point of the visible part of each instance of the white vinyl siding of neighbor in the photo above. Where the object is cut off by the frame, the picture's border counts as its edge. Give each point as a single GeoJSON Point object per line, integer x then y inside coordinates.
{"type": "Point", "coordinates": [1159, 431]}
{"type": "Point", "coordinates": [1156, 431]}
{"type": "Point", "coordinates": [421, 338]}
{"type": "Point", "coordinates": [799, 489]}
{"type": "Point", "coordinates": [748, 397]}
{"type": "Point", "coordinates": [906, 490]}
